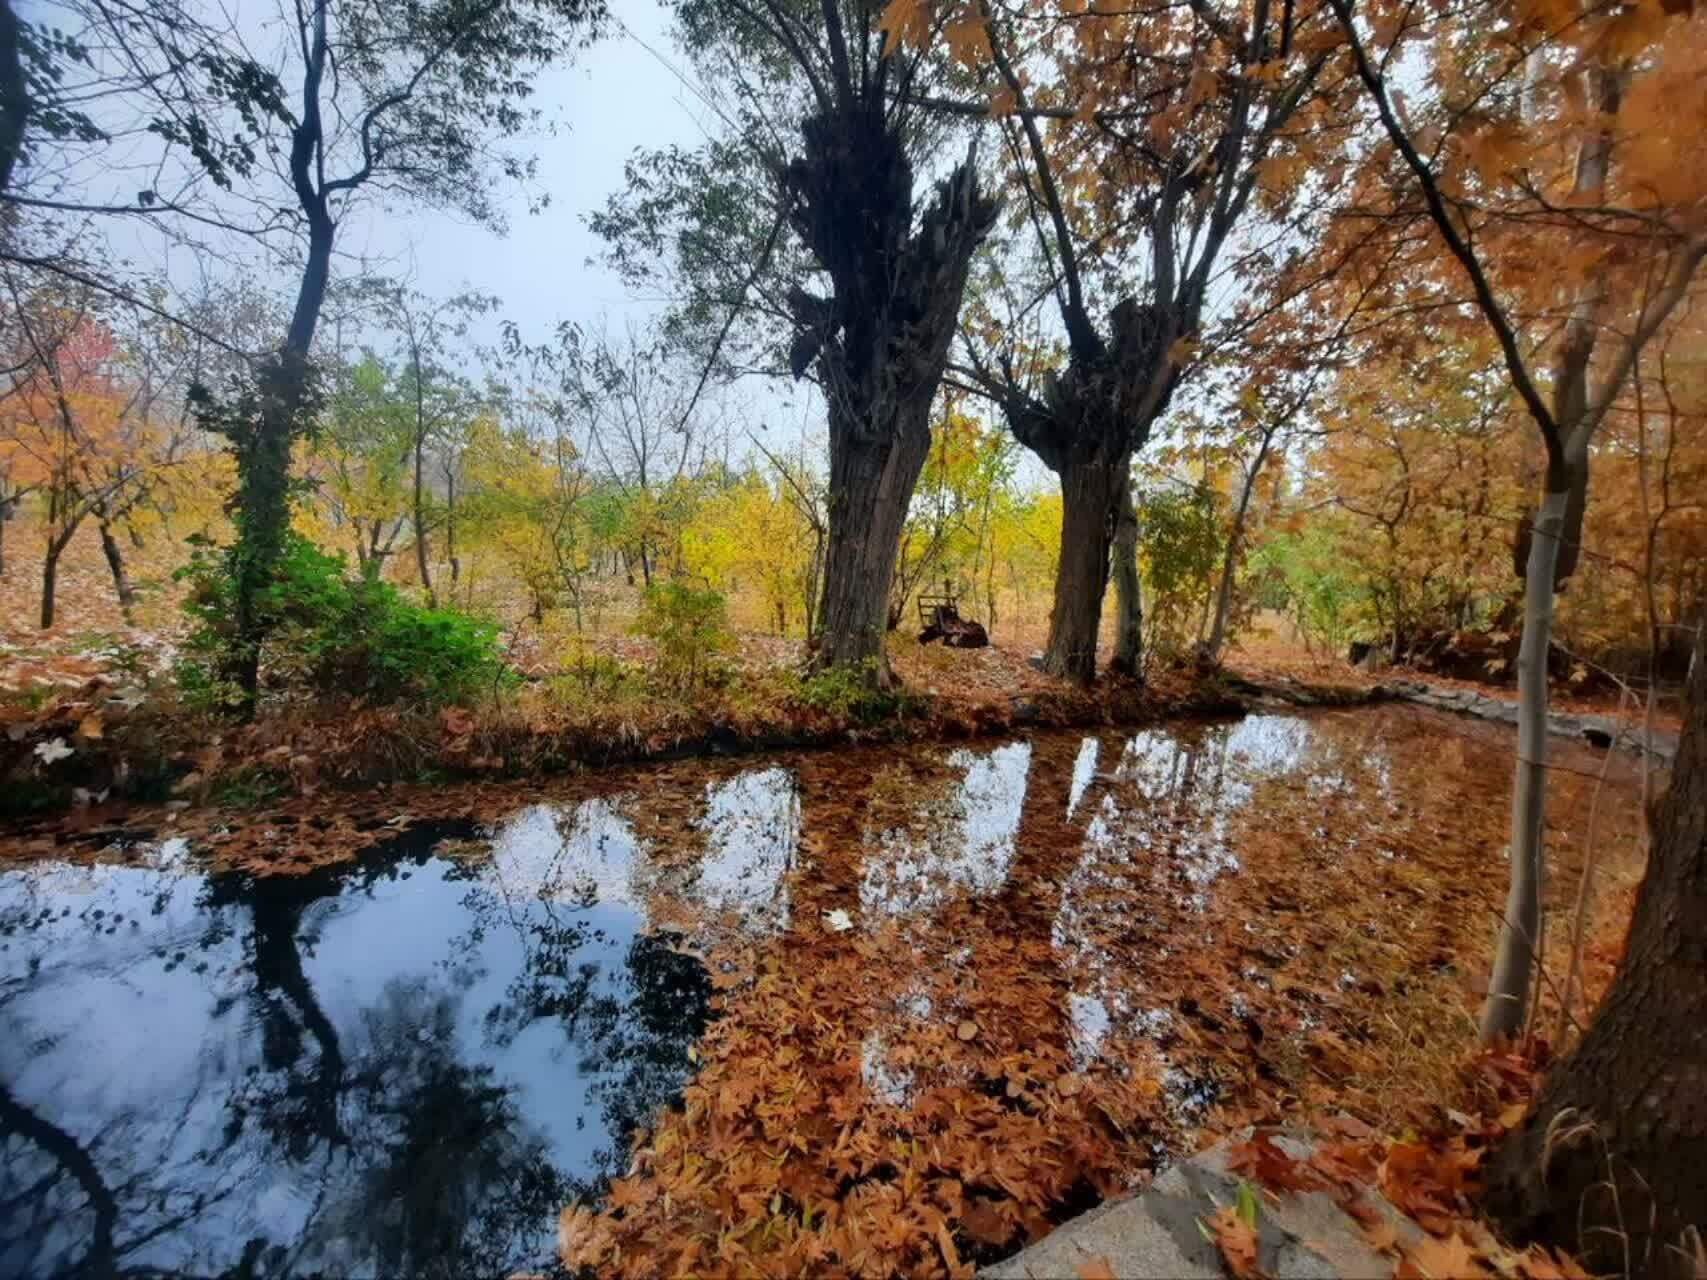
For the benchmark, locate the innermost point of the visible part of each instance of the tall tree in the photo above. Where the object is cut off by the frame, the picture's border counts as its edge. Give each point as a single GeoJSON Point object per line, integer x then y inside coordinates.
{"type": "Point", "coordinates": [1171, 122]}
{"type": "Point", "coordinates": [418, 101]}
{"type": "Point", "coordinates": [864, 289]}
{"type": "Point", "coordinates": [1566, 120]}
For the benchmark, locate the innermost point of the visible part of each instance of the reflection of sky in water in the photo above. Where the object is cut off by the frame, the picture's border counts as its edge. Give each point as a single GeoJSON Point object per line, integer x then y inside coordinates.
{"type": "Point", "coordinates": [968, 848]}
{"type": "Point", "coordinates": [1084, 769]}
{"type": "Point", "coordinates": [888, 1084]}
{"type": "Point", "coordinates": [752, 826]}
{"type": "Point", "coordinates": [584, 853]}
{"type": "Point", "coordinates": [402, 1069]}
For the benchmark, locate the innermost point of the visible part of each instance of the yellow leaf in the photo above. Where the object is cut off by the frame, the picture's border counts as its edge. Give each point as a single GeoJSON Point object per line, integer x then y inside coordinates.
{"type": "Point", "coordinates": [91, 726]}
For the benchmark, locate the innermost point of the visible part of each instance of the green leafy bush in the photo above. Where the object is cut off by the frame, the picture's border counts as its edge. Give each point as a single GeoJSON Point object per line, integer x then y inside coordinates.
{"type": "Point", "coordinates": [690, 626]}
{"type": "Point", "coordinates": [848, 693]}
{"type": "Point", "coordinates": [329, 632]}
{"type": "Point", "coordinates": [1180, 543]}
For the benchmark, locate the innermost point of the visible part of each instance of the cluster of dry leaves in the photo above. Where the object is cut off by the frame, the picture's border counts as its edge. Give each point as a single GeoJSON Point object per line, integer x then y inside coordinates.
{"type": "Point", "coordinates": [1430, 1178]}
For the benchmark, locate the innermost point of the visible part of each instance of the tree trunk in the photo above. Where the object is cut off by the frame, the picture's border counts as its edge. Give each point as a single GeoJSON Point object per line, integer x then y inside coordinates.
{"type": "Point", "coordinates": [115, 562]}
{"type": "Point", "coordinates": [1520, 928]}
{"type": "Point", "coordinates": [263, 455]}
{"type": "Point", "coordinates": [1612, 1158]}
{"type": "Point", "coordinates": [1230, 562]}
{"type": "Point", "coordinates": [1091, 492]}
{"type": "Point", "coordinates": [450, 535]}
{"type": "Point", "coordinates": [873, 468]}
{"type": "Point", "coordinates": [49, 583]}
{"type": "Point", "coordinates": [421, 554]}
{"type": "Point", "coordinates": [263, 517]}
{"type": "Point", "coordinates": [1128, 604]}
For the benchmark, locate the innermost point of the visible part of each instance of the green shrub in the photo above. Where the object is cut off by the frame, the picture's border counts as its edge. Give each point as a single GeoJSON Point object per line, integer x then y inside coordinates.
{"type": "Point", "coordinates": [332, 633]}
{"type": "Point", "coordinates": [690, 626]}
{"type": "Point", "coordinates": [847, 693]}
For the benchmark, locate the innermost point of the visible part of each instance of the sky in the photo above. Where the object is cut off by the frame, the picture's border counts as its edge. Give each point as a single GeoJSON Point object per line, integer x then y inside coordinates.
{"type": "Point", "coordinates": [624, 93]}
{"type": "Point", "coordinates": [615, 98]}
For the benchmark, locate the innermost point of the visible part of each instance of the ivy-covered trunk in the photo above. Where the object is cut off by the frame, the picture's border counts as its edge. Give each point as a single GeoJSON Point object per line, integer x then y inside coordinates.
{"type": "Point", "coordinates": [1091, 492]}
{"type": "Point", "coordinates": [263, 446]}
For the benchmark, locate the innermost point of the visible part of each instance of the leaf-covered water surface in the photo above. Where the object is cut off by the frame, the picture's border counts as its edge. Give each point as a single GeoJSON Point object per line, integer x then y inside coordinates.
{"type": "Point", "coordinates": [957, 994]}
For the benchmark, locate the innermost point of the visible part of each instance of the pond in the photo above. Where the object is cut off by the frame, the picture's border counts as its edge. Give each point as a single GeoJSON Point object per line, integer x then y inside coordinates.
{"type": "Point", "coordinates": [408, 1061]}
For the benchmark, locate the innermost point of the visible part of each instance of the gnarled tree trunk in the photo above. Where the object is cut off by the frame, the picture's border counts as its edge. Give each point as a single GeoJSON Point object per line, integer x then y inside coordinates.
{"type": "Point", "coordinates": [1612, 1159]}
{"type": "Point", "coordinates": [880, 343]}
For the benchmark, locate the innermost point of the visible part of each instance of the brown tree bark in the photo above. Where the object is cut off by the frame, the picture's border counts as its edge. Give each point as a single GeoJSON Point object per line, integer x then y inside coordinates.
{"type": "Point", "coordinates": [115, 564]}
{"type": "Point", "coordinates": [872, 482]}
{"type": "Point", "coordinates": [1091, 492]}
{"type": "Point", "coordinates": [1611, 1160]}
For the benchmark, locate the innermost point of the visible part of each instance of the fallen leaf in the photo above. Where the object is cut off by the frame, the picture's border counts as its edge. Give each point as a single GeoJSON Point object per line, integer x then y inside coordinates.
{"type": "Point", "coordinates": [838, 921]}
{"type": "Point", "coordinates": [968, 1029]}
{"type": "Point", "coordinates": [1097, 1269]}
{"type": "Point", "coordinates": [1237, 1240]}
{"type": "Point", "coordinates": [90, 726]}
{"type": "Point", "coordinates": [1452, 1258]}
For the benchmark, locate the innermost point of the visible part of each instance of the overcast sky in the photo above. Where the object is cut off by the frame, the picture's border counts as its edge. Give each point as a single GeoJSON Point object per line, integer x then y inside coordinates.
{"type": "Point", "coordinates": [620, 95]}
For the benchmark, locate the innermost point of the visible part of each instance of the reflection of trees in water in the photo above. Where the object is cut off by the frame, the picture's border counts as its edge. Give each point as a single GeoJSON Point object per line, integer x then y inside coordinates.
{"type": "Point", "coordinates": [44, 1173]}
{"type": "Point", "coordinates": [629, 1014]}
{"type": "Point", "coordinates": [441, 1175]}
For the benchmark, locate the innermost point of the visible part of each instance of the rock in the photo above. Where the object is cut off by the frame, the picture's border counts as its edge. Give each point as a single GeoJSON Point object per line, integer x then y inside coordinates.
{"type": "Point", "coordinates": [1602, 731]}
{"type": "Point", "coordinates": [1301, 1235]}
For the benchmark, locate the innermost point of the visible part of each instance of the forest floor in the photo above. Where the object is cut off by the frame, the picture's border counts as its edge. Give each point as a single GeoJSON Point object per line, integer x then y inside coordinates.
{"type": "Point", "coordinates": [90, 719]}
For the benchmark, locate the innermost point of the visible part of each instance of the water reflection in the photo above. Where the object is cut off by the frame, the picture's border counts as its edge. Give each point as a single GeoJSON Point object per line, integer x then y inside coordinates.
{"type": "Point", "coordinates": [752, 829]}
{"type": "Point", "coordinates": [961, 841]}
{"type": "Point", "coordinates": [1161, 818]}
{"type": "Point", "coordinates": [403, 1068]}
{"type": "Point", "coordinates": [407, 1066]}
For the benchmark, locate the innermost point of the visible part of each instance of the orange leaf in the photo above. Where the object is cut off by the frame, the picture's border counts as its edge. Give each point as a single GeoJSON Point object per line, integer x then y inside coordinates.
{"type": "Point", "coordinates": [1237, 1240]}
{"type": "Point", "coordinates": [904, 22]}
{"type": "Point", "coordinates": [1453, 1258]}
{"type": "Point", "coordinates": [1380, 1234]}
{"type": "Point", "coordinates": [1097, 1269]}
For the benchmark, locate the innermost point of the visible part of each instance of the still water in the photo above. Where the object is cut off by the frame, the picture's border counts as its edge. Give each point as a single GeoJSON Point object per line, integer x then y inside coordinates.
{"type": "Point", "coordinates": [407, 1063]}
